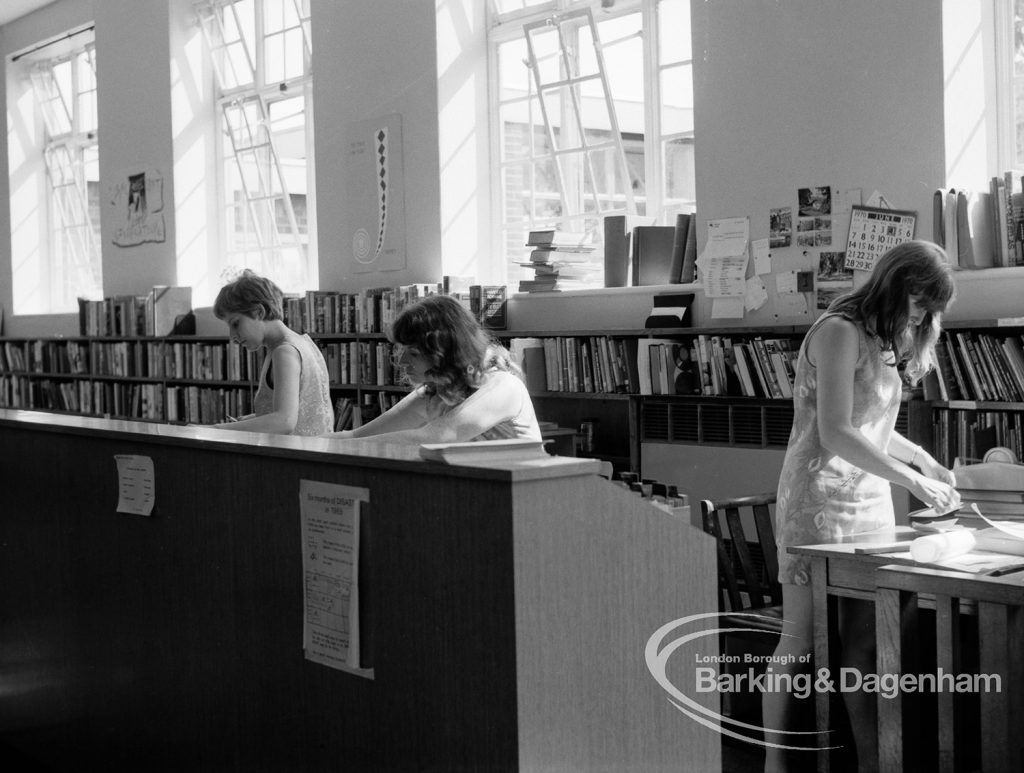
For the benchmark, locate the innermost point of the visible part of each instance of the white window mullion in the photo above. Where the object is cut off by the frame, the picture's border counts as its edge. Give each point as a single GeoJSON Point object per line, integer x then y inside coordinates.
{"type": "Point", "coordinates": [257, 200]}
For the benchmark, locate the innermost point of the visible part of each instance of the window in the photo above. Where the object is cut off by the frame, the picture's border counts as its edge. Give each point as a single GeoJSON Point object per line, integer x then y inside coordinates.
{"type": "Point", "coordinates": [54, 163]}
{"type": "Point", "coordinates": [262, 59]}
{"type": "Point", "coordinates": [983, 77]}
{"type": "Point", "coordinates": [1012, 43]}
{"type": "Point", "coordinates": [593, 114]}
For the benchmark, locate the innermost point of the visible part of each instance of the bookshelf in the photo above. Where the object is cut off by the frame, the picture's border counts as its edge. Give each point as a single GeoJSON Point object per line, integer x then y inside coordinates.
{"type": "Point", "coordinates": [674, 386]}
{"type": "Point", "coordinates": [585, 376]}
{"type": "Point", "coordinates": [976, 393]}
{"type": "Point", "coordinates": [189, 379]}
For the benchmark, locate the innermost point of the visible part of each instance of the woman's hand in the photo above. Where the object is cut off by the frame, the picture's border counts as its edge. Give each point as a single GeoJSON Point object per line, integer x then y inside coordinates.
{"type": "Point", "coordinates": [932, 469]}
{"type": "Point", "coordinates": [937, 494]}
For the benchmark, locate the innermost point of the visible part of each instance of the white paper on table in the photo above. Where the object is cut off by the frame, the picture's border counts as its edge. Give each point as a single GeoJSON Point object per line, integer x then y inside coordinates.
{"type": "Point", "coordinates": [756, 295]}
{"type": "Point", "coordinates": [727, 308]}
{"type": "Point", "coordinates": [1015, 530]}
{"type": "Point", "coordinates": [136, 490]}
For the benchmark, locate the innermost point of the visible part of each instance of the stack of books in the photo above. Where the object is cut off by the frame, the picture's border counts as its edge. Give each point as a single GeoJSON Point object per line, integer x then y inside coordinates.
{"type": "Point", "coordinates": [560, 260]}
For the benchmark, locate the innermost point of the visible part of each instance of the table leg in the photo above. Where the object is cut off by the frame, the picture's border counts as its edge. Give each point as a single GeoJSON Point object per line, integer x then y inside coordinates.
{"type": "Point", "coordinates": [823, 614]}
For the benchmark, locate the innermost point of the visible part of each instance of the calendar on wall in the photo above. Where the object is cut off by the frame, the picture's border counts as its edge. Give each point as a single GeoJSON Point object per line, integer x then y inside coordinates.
{"type": "Point", "coordinates": [873, 232]}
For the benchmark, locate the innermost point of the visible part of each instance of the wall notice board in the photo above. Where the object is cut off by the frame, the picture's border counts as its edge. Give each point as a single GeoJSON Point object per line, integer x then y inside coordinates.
{"type": "Point", "coordinates": [873, 232]}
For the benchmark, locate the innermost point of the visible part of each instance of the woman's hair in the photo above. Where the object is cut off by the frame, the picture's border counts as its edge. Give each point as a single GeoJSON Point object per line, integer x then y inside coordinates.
{"type": "Point", "coordinates": [459, 350]}
{"type": "Point", "coordinates": [915, 268]}
{"type": "Point", "coordinates": [249, 294]}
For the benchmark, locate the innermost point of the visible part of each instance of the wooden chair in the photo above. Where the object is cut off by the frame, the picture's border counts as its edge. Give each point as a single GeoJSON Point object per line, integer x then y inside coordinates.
{"type": "Point", "coordinates": [998, 604]}
{"type": "Point", "coordinates": [747, 571]}
{"type": "Point", "coordinates": [748, 583]}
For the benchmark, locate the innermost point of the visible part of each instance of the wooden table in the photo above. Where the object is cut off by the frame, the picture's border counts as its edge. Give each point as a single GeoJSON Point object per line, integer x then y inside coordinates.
{"type": "Point", "coordinates": [849, 570]}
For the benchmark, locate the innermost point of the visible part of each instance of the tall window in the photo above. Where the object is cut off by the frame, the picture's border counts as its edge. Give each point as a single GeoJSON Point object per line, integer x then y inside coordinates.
{"type": "Point", "coordinates": [593, 113]}
{"type": "Point", "coordinates": [55, 191]}
{"type": "Point", "coordinates": [262, 58]}
{"type": "Point", "coordinates": [1012, 43]}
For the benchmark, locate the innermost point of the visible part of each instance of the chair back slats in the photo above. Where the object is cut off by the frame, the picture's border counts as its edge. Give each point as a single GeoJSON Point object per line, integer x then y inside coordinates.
{"type": "Point", "coordinates": [739, 572]}
{"type": "Point", "coordinates": [727, 581]}
{"type": "Point", "coordinates": [765, 524]}
{"type": "Point", "coordinates": [750, 575]}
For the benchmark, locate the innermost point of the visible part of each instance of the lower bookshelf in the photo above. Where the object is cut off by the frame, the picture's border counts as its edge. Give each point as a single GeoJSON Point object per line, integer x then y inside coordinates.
{"type": "Point", "coordinates": [966, 429]}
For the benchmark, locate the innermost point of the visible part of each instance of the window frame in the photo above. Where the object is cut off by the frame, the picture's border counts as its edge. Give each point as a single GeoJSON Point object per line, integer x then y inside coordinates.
{"type": "Point", "coordinates": [264, 93]}
{"type": "Point", "coordinates": [509, 27]}
{"type": "Point", "coordinates": [61, 120]}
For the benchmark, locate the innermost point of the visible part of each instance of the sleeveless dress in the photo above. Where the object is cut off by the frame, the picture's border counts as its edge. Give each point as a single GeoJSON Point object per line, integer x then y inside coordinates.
{"type": "Point", "coordinates": [316, 416]}
{"type": "Point", "coordinates": [821, 497]}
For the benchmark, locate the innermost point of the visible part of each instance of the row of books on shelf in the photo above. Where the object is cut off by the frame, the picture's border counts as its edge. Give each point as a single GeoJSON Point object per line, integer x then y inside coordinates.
{"type": "Point", "coordinates": [91, 398]}
{"type": "Point", "coordinates": [968, 434]}
{"type": "Point", "coordinates": [167, 311]}
{"type": "Point", "coordinates": [199, 360]}
{"type": "Point", "coordinates": [973, 365]}
{"type": "Point", "coordinates": [372, 310]}
{"type": "Point", "coordinates": [163, 311]}
{"type": "Point", "coordinates": [191, 404]}
{"type": "Point", "coordinates": [702, 365]}
{"type": "Point", "coordinates": [349, 413]}
{"type": "Point", "coordinates": [982, 229]}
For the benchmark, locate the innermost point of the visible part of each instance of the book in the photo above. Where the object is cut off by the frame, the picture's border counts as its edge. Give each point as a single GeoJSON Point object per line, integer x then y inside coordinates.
{"type": "Point", "coordinates": [973, 232]}
{"type": "Point", "coordinates": [690, 252]}
{"type": "Point", "coordinates": [488, 304]}
{"type": "Point", "coordinates": [652, 254]}
{"type": "Point", "coordinates": [485, 451]}
{"type": "Point", "coordinates": [169, 311]}
{"type": "Point", "coordinates": [990, 495]}
{"type": "Point", "coordinates": [679, 247]}
{"type": "Point", "coordinates": [549, 237]}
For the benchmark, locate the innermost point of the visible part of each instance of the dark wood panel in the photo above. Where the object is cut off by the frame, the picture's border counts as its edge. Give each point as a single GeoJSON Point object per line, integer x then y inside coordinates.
{"type": "Point", "coordinates": [174, 642]}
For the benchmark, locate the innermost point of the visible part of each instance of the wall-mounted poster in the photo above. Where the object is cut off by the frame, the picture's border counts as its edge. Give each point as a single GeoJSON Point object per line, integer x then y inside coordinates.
{"type": "Point", "coordinates": [873, 232]}
{"type": "Point", "coordinates": [137, 199]}
{"type": "Point", "coordinates": [375, 198]}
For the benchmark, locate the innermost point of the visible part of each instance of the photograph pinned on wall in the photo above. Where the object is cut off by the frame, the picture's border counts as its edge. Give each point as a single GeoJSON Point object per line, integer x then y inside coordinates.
{"type": "Point", "coordinates": [137, 200]}
{"type": "Point", "coordinates": [814, 221]}
{"type": "Point", "coordinates": [833, 279]}
{"type": "Point", "coordinates": [781, 223]}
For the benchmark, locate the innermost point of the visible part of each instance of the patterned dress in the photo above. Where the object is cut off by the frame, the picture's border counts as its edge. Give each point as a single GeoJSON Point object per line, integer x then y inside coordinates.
{"type": "Point", "coordinates": [316, 416]}
{"type": "Point", "coordinates": [821, 497]}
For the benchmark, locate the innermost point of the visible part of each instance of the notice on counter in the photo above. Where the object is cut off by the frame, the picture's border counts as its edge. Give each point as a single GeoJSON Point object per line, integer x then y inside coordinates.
{"type": "Point", "coordinates": [136, 488]}
{"type": "Point", "coordinates": [330, 568]}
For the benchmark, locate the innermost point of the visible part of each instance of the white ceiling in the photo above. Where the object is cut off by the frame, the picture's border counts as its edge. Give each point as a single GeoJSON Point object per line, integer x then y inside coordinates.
{"type": "Point", "coordinates": [12, 9]}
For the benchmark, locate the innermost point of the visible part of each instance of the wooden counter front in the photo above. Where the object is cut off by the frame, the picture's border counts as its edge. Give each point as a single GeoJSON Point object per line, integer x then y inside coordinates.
{"type": "Point", "coordinates": [505, 611]}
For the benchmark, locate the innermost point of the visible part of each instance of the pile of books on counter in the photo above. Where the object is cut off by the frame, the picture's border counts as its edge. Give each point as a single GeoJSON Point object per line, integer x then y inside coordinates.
{"type": "Point", "coordinates": [560, 260]}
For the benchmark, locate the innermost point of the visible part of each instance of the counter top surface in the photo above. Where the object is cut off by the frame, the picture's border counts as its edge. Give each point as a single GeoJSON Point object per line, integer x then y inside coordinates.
{"type": "Point", "coordinates": [355, 451]}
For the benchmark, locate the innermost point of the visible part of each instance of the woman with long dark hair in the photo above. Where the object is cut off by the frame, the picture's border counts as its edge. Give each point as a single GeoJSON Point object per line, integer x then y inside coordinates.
{"type": "Point", "coordinates": [465, 387]}
{"type": "Point", "coordinates": [844, 453]}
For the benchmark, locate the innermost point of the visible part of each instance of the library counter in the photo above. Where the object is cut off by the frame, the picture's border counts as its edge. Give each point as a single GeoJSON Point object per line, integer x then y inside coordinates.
{"type": "Point", "coordinates": [503, 611]}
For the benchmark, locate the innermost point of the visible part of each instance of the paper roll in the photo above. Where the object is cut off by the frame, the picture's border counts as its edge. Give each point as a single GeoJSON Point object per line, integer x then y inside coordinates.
{"type": "Point", "coordinates": [948, 544]}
